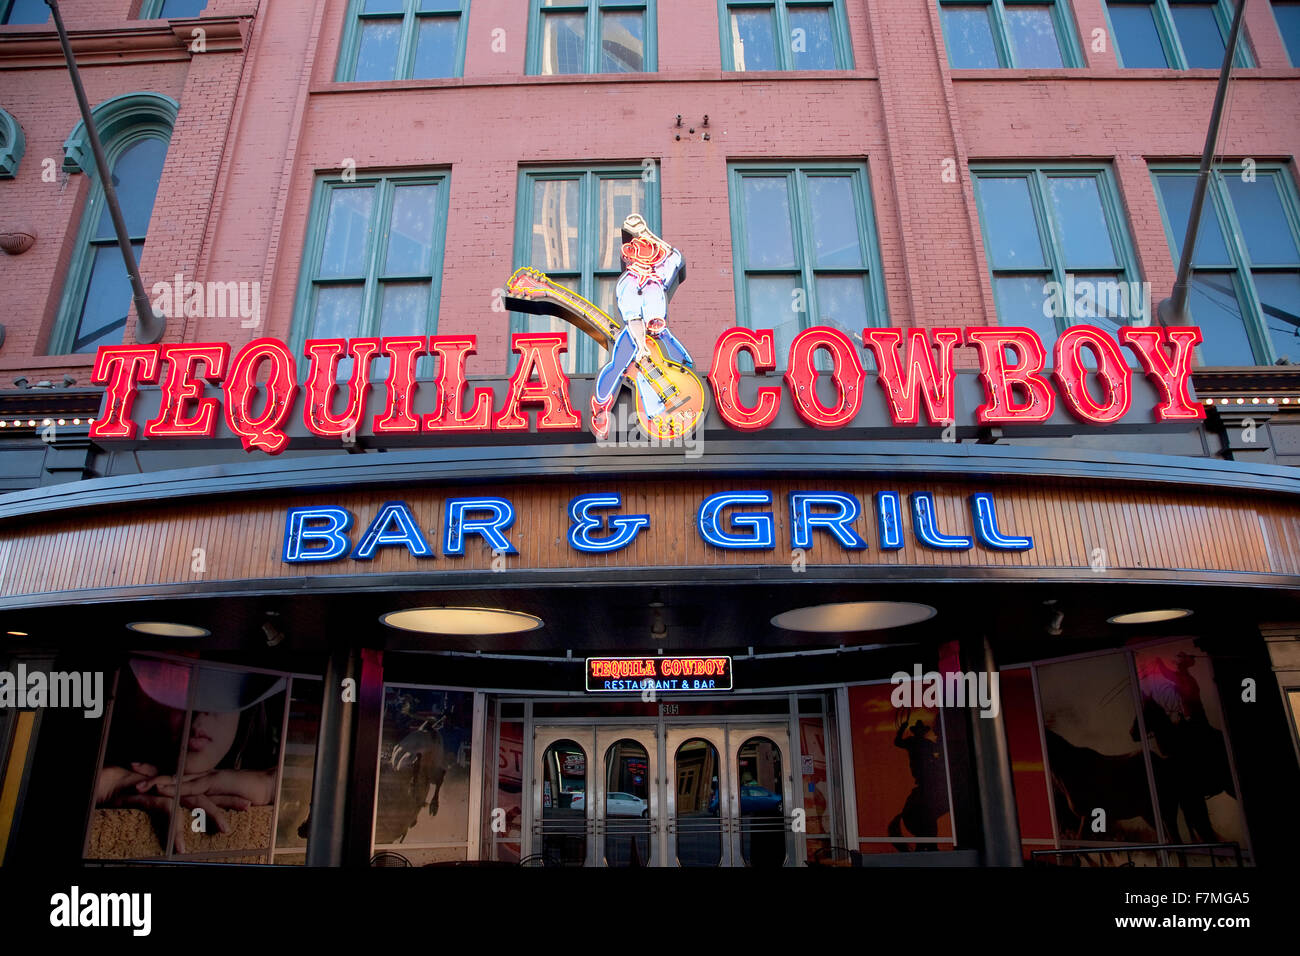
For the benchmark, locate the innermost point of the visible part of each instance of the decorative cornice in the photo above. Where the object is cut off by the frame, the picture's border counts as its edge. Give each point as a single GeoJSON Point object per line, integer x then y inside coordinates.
{"type": "Point", "coordinates": [141, 41]}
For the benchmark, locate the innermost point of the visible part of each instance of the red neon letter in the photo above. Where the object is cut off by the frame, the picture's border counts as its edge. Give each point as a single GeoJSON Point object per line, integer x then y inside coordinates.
{"type": "Point", "coordinates": [241, 388]}
{"type": "Point", "coordinates": [449, 414]}
{"type": "Point", "coordinates": [538, 351]}
{"type": "Point", "coordinates": [846, 373]}
{"type": "Point", "coordinates": [399, 418]}
{"type": "Point", "coordinates": [1072, 376]}
{"type": "Point", "coordinates": [121, 368]}
{"type": "Point", "coordinates": [181, 387]}
{"type": "Point", "coordinates": [1001, 379]}
{"type": "Point", "coordinates": [922, 378]}
{"type": "Point", "coordinates": [322, 383]}
{"type": "Point", "coordinates": [1172, 375]}
{"type": "Point", "coordinates": [724, 376]}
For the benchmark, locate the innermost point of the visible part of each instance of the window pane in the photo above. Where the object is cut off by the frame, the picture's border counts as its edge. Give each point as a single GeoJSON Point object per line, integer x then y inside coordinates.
{"type": "Point", "coordinates": [627, 809]}
{"type": "Point", "coordinates": [1009, 223]}
{"type": "Point", "coordinates": [1198, 31]}
{"type": "Point", "coordinates": [27, 11]}
{"type": "Point", "coordinates": [834, 221]}
{"type": "Point", "coordinates": [771, 306]}
{"type": "Point", "coordinates": [1214, 307]}
{"type": "Point", "coordinates": [108, 300]}
{"type": "Point", "coordinates": [435, 47]}
{"type": "Point", "coordinates": [383, 6]}
{"type": "Point", "coordinates": [811, 44]}
{"type": "Point", "coordinates": [1259, 212]}
{"type": "Point", "coordinates": [768, 237]}
{"type": "Point", "coordinates": [1279, 297]}
{"type": "Point", "coordinates": [968, 33]}
{"type": "Point", "coordinates": [1021, 300]}
{"type": "Point", "coordinates": [1081, 222]}
{"type": "Point", "coordinates": [1136, 35]}
{"type": "Point", "coordinates": [182, 8]}
{"type": "Point", "coordinates": [135, 177]}
{"type": "Point", "coordinates": [439, 6]}
{"type": "Point", "coordinates": [1176, 191]}
{"type": "Point", "coordinates": [346, 231]}
{"type": "Point", "coordinates": [338, 312]}
{"type": "Point", "coordinates": [1288, 24]}
{"type": "Point", "coordinates": [555, 225]}
{"type": "Point", "coordinates": [622, 43]}
{"type": "Point", "coordinates": [377, 55]}
{"type": "Point", "coordinates": [1033, 36]}
{"type": "Point", "coordinates": [842, 301]}
{"type": "Point", "coordinates": [619, 198]}
{"type": "Point", "coordinates": [564, 43]}
{"type": "Point", "coordinates": [404, 309]}
{"type": "Point", "coordinates": [753, 40]}
{"type": "Point", "coordinates": [410, 239]}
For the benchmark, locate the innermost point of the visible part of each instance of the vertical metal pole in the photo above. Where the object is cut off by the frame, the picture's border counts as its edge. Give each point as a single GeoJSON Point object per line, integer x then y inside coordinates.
{"type": "Point", "coordinates": [1173, 311]}
{"type": "Point", "coordinates": [149, 328]}
{"type": "Point", "coordinates": [993, 777]}
{"type": "Point", "coordinates": [330, 781]}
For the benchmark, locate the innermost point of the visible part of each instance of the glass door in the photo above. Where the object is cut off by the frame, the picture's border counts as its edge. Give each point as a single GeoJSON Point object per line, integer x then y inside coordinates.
{"type": "Point", "coordinates": [563, 775]}
{"type": "Point", "coordinates": [625, 799]}
{"type": "Point", "coordinates": [761, 795]}
{"type": "Point", "coordinates": [696, 803]}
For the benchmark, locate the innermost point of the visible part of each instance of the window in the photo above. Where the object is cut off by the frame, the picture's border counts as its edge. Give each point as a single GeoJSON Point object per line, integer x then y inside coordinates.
{"type": "Point", "coordinates": [1058, 225]}
{"type": "Point", "coordinates": [14, 12]}
{"type": "Point", "coordinates": [1245, 289]}
{"type": "Point", "coordinates": [1010, 33]}
{"type": "Point", "coordinates": [12, 146]}
{"type": "Point", "coordinates": [171, 9]}
{"type": "Point", "coordinates": [592, 36]}
{"type": "Point", "coordinates": [1173, 34]}
{"type": "Point", "coordinates": [403, 40]}
{"type": "Point", "coordinates": [135, 130]}
{"type": "Point", "coordinates": [372, 262]}
{"type": "Point", "coordinates": [805, 250]}
{"type": "Point", "coordinates": [569, 225]}
{"type": "Point", "coordinates": [784, 35]}
{"type": "Point", "coordinates": [1288, 24]}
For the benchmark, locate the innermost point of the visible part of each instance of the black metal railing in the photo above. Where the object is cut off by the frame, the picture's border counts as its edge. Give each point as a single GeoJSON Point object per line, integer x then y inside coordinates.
{"type": "Point", "coordinates": [1077, 856]}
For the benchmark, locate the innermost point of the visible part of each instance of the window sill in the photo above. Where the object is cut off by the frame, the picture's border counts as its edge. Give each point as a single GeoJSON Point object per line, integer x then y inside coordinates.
{"type": "Point", "coordinates": [1123, 73]}
{"type": "Point", "coordinates": [24, 363]}
{"type": "Point", "coordinates": [520, 79]}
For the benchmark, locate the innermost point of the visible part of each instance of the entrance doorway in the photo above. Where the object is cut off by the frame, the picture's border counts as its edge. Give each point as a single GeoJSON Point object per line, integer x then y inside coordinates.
{"type": "Point", "coordinates": [621, 795]}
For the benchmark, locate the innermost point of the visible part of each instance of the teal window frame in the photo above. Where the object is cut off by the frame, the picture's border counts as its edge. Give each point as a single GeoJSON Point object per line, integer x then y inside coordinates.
{"type": "Point", "coordinates": [152, 10]}
{"type": "Point", "coordinates": [781, 9]}
{"type": "Point", "coordinates": [584, 356]}
{"type": "Point", "coordinates": [1067, 36]}
{"type": "Point", "coordinates": [7, 7]}
{"type": "Point", "coordinates": [797, 174]}
{"type": "Point", "coordinates": [1293, 54]}
{"type": "Point", "coordinates": [12, 145]}
{"type": "Point", "coordinates": [1168, 32]}
{"type": "Point", "coordinates": [1049, 232]}
{"type": "Point", "coordinates": [350, 46]}
{"type": "Point", "coordinates": [1239, 261]}
{"type": "Point", "coordinates": [378, 233]}
{"type": "Point", "coordinates": [122, 122]}
{"type": "Point", "coordinates": [594, 9]}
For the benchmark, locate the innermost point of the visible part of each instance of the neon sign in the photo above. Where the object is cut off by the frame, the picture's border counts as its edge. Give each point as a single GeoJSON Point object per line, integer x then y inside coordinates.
{"type": "Point", "coordinates": [658, 673]}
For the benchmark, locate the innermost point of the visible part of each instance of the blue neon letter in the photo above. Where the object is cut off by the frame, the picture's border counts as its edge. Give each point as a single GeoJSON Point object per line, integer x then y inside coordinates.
{"type": "Point", "coordinates": [394, 524]}
{"type": "Point", "coordinates": [889, 520]}
{"type": "Point", "coordinates": [763, 534]}
{"type": "Point", "coordinates": [457, 525]}
{"type": "Point", "coordinates": [334, 533]}
{"type": "Point", "coordinates": [839, 523]}
{"type": "Point", "coordinates": [986, 526]}
{"type": "Point", "coordinates": [926, 526]}
{"type": "Point", "coordinates": [623, 528]}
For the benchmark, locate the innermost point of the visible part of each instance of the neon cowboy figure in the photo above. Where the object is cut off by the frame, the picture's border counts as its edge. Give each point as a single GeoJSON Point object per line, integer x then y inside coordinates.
{"type": "Point", "coordinates": [652, 269]}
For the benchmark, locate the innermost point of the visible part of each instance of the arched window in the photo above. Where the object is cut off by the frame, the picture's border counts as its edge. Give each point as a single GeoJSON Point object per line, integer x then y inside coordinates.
{"type": "Point", "coordinates": [135, 130]}
{"type": "Point", "coordinates": [12, 146]}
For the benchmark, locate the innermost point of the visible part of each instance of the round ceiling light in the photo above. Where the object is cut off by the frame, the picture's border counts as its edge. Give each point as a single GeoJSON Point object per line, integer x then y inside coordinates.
{"type": "Point", "coordinates": [167, 629]}
{"type": "Point", "coordinates": [854, 616]}
{"type": "Point", "coordinates": [1150, 617]}
{"type": "Point", "coordinates": [461, 620]}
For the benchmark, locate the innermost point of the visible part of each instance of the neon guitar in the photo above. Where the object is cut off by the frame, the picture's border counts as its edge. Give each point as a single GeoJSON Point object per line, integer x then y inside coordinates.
{"type": "Point", "coordinates": [678, 389]}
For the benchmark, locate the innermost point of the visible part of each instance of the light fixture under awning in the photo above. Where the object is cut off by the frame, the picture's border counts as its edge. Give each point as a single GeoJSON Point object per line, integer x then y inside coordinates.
{"type": "Point", "coordinates": [1150, 617]}
{"type": "Point", "coordinates": [461, 620]}
{"type": "Point", "coordinates": [854, 616]}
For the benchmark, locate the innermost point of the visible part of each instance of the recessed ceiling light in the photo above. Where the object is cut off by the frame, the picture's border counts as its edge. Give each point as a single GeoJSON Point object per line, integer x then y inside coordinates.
{"type": "Point", "coordinates": [854, 616]}
{"type": "Point", "coordinates": [167, 629]}
{"type": "Point", "coordinates": [1150, 617]}
{"type": "Point", "coordinates": [461, 620]}
{"type": "Point", "coordinates": [17, 633]}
